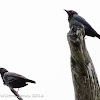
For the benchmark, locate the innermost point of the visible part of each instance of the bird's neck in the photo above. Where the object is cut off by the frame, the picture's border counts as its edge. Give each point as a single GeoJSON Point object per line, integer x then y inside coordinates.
{"type": "Point", "coordinates": [3, 73]}
{"type": "Point", "coordinates": [70, 17]}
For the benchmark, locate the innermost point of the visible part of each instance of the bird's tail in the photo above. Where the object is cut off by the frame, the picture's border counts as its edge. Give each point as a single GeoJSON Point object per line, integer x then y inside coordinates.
{"type": "Point", "coordinates": [94, 33]}
{"type": "Point", "coordinates": [98, 36]}
{"type": "Point", "coordinates": [31, 81]}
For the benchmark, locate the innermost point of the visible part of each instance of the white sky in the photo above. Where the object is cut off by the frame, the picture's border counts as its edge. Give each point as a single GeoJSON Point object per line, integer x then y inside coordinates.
{"type": "Point", "coordinates": [33, 43]}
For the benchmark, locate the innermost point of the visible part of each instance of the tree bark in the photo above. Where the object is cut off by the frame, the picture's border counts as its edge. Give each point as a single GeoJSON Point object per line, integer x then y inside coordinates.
{"type": "Point", "coordinates": [84, 77]}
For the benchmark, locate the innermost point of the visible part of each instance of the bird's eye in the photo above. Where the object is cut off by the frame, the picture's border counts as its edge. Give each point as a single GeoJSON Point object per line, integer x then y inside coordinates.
{"type": "Point", "coordinates": [72, 11]}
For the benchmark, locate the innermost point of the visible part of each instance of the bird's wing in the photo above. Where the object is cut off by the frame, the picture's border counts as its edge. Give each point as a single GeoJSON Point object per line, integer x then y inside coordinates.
{"type": "Point", "coordinates": [10, 77]}
{"type": "Point", "coordinates": [82, 20]}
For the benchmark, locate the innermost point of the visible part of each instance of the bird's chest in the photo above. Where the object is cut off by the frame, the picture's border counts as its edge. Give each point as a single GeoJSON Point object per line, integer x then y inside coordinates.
{"type": "Point", "coordinates": [3, 79]}
{"type": "Point", "coordinates": [73, 22]}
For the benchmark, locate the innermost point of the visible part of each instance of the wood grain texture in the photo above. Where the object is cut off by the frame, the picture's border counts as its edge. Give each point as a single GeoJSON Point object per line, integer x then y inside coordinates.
{"type": "Point", "coordinates": [84, 77]}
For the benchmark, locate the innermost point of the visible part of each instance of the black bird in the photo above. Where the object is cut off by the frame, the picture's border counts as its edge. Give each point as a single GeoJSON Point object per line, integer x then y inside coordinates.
{"type": "Point", "coordinates": [75, 19]}
{"type": "Point", "coordinates": [14, 80]}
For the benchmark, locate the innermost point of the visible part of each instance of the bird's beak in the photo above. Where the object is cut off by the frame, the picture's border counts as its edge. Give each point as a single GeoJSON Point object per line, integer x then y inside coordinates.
{"type": "Point", "coordinates": [66, 10]}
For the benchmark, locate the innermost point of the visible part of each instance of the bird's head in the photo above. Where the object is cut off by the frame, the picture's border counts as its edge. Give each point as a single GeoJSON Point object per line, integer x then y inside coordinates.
{"type": "Point", "coordinates": [3, 70]}
{"type": "Point", "coordinates": [71, 12]}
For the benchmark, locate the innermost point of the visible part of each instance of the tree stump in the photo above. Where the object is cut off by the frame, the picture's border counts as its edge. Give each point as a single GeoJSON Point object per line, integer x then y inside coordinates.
{"type": "Point", "coordinates": [84, 77]}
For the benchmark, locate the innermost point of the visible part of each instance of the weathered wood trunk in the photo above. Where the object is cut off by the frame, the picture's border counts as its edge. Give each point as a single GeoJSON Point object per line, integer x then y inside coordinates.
{"type": "Point", "coordinates": [84, 77]}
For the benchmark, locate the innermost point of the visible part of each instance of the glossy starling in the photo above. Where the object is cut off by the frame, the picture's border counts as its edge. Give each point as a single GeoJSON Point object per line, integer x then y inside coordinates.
{"type": "Point", "coordinates": [75, 19]}
{"type": "Point", "coordinates": [14, 80]}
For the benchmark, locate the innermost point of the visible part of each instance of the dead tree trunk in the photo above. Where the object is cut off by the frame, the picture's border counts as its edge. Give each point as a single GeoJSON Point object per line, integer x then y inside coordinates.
{"type": "Point", "coordinates": [84, 77]}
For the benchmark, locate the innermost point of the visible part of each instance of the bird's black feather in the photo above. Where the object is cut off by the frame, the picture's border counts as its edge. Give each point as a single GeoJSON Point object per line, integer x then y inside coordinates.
{"type": "Point", "coordinates": [14, 80]}
{"type": "Point", "coordinates": [75, 19]}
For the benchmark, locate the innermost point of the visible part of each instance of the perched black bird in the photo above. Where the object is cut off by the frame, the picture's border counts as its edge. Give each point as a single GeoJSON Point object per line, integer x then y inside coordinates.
{"type": "Point", "coordinates": [14, 80]}
{"type": "Point", "coordinates": [75, 19]}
